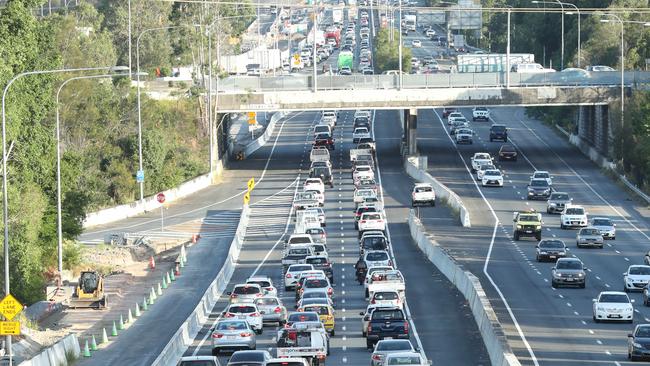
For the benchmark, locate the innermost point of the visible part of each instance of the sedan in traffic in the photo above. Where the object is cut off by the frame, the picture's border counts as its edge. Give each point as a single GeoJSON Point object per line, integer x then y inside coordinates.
{"type": "Point", "coordinates": [568, 272]}
{"type": "Point", "coordinates": [614, 306]}
{"type": "Point", "coordinates": [416, 43]}
{"type": "Point", "coordinates": [387, 346]}
{"type": "Point", "coordinates": [606, 227]}
{"type": "Point", "coordinates": [589, 237]}
{"type": "Point", "coordinates": [232, 335]}
{"type": "Point", "coordinates": [550, 250]}
{"type": "Point", "coordinates": [638, 343]}
{"type": "Point", "coordinates": [249, 358]}
{"type": "Point", "coordinates": [636, 278]}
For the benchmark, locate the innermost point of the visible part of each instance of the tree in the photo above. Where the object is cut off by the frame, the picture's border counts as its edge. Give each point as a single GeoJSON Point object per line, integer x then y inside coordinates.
{"type": "Point", "coordinates": [387, 52]}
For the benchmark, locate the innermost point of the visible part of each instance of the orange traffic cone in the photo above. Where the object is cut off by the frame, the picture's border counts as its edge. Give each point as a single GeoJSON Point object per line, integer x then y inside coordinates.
{"type": "Point", "coordinates": [177, 271]}
{"type": "Point", "coordinates": [152, 263]}
{"type": "Point", "coordinates": [194, 238]}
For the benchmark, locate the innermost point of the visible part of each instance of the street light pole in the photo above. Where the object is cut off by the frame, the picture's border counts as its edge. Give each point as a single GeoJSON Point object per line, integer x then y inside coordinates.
{"type": "Point", "coordinates": [579, 36]}
{"type": "Point", "coordinates": [508, 52]}
{"type": "Point", "coordinates": [129, 36]}
{"type": "Point", "coordinates": [399, 50]}
{"type": "Point", "coordinates": [562, 49]}
{"type": "Point", "coordinates": [5, 199]}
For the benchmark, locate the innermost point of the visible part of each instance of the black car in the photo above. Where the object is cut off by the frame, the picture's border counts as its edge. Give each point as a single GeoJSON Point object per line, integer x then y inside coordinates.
{"type": "Point", "coordinates": [507, 152]}
{"type": "Point", "coordinates": [550, 250]}
{"type": "Point", "coordinates": [249, 358]}
{"type": "Point", "coordinates": [324, 139]}
{"type": "Point", "coordinates": [387, 323]}
{"type": "Point", "coordinates": [498, 132]}
{"type": "Point", "coordinates": [539, 189]}
{"type": "Point", "coordinates": [324, 173]}
{"type": "Point", "coordinates": [361, 122]}
{"type": "Point", "coordinates": [639, 342]}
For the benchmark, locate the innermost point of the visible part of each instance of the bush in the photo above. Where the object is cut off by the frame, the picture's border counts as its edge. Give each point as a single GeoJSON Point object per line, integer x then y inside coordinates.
{"type": "Point", "coordinates": [72, 254]}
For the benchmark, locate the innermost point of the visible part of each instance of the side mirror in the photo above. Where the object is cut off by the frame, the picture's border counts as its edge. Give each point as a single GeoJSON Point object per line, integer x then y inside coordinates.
{"type": "Point", "coordinates": [584, 268]}
{"type": "Point", "coordinates": [614, 225]}
{"type": "Point", "coordinates": [593, 300]}
{"type": "Point", "coordinates": [228, 293]}
{"type": "Point", "coordinates": [632, 301]}
{"type": "Point", "coordinates": [223, 313]}
{"type": "Point", "coordinates": [624, 273]}
{"type": "Point", "coordinates": [630, 335]}
{"type": "Point", "coordinates": [361, 313]}
{"type": "Point", "coordinates": [537, 246]}
{"type": "Point", "coordinates": [417, 349]}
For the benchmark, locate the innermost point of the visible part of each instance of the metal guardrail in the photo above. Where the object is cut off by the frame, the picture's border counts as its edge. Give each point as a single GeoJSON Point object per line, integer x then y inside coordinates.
{"type": "Point", "coordinates": [297, 82]}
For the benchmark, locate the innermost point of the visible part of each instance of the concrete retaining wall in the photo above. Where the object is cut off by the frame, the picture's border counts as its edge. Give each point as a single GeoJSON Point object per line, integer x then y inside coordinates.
{"type": "Point", "coordinates": [56, 354]}
{"type": "Point", "coordinates": [416, 167]}
{"type": "Point", "coordinates": [122, 212]}
{"type": "Point", "coordinates": [484, 315]}
{"type": "Point", "coordinates": [183, 338]}
{"type": "Point", "coordinates": [260, 141]}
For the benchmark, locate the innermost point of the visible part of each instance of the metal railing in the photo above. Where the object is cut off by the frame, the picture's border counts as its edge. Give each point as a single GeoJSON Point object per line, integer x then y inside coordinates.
{"type": "Point", "coordinates": [300, 82]}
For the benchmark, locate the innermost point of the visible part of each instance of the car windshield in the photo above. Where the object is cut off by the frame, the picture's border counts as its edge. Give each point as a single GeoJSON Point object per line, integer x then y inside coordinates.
{"type": "Point", "coordinates": [541, 175]}
{"type": "Point", "coordinates": [267, 301]}
{"type": "Point", "coordinates": [560, 196]}
{"type": "Point", "coordinates": [551, 244]}
{"type": "Point", "coordinates": [575, 211]}
{"type": "Point", "coordinates": [538, 183]}
{"type": "Point", "coordinates": [242, 309]}
{"type": "Point", "coordinates": [602, 222]}
{"type": "Point", "coordinates": [299, 268]}
{"type": "Point", "coordinates": [482, 157]}
{"type": "Point", "coordinates": [528, 218]}
{"type": "Point", "coordinates": [568, 265]}
{"type": "Point", "coordinates": [262, 283]}
{"type": "Point", "coordinates": [498, 128]}
{"type": "Point", "coordinates": [394, 345]}
{"type": "Point", "coordinates": [320, 310]}
{"type": "Point", "coordinates": [377, 256]}
{"type": "Point", "coordinates": [615, 298]}
{"type": "Point", "coordinates": [507, 148]}
{"type": "Point", "coordinates": [640, 271]}
{"type": "Point", "coordinates": [246, 290]}
{"type": "Point", "coordinates": [589, 232]}
{"type": "Point", "coordinates": [643, 332]}
{"type": "Point", "coordinates": [387, 314]}
{"type": "Point", "coordinates": [404, 360]}
{"type": "Point", "coordinates": [386, 296]}
{"type": "Point", "coordinates": [493, 173]}
{"type": "Point", "coordinates": [231, 326]}
{"type": "Point", "coordinates": [423, 189]}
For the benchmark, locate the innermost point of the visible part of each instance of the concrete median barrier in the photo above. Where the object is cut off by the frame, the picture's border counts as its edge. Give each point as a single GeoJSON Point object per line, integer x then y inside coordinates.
{"type": "Point", "coordinates": [416, 168]}
{"type": "Point", "coordinates": [260, 141]}
{"type": "Point", "coordinates": [469, 285]}
{"type": "Point", "coordinates": [62, 353]}
{"type": "Point", "coordinates": [184, 336]}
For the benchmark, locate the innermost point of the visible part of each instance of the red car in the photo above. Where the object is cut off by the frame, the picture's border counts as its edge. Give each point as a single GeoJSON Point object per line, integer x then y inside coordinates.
{"type": "Point", "coordinates": [447, 111]}
{"type": "Point", "coordinates": [324, 139]}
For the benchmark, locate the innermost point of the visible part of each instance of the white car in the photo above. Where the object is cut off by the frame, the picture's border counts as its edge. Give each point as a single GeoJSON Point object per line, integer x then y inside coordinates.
{"type": "Point", "coordinates": [464, 136]}
{"type": "Point", "coordinates": [480, 113]}
{"type": "Point", "coordinates": [291, 276]}
{"type": "Point", "coordinates": [362, 113]}
{"type": "Point", "coordinates": [430, 32]}
{"type": "Point", "coordinates": [492, 177]}
{"type": "Point", "coordinates": [319, 154]}
{"type": "Point", "coordinates": [265, 283]}
{"type": "Point", "coordinates": [481, 170]}
{"type": "Point", "coordinates": [314, 184]}
{"type": "Point", "coordinates": [320, 197]}
{"type": "Point", "coordinates": [479, 159]}
{"type": "Point", "coordinates": [573, 216]}
{"type": "Point", "coordinates": [360, 133]}
{"type": "Point", "coordinates": [636, 277]}
{"type": "Point", "coordinates": [454, 116]}
{"type": "Point", "coordinates": [416, 43]}
{"type": "Point", "coordinates": [248, 312]}
{"type": "Point", "coordinates": [363, 172]}
{"type": "Point", "coordinates": [542, 174]}
{"type": "Point", "coordinates": [361, 194]}
{"type": "Point", "coordinates": [377, 258]}
{"type": "Point", "coordinates": [423, 193]}
{"type": "Point", "coordinates": [405, 358]}
{"type": "Point", "coordinates": [371, 221]}
{"type": "Point", "coordinates": [613, 305]}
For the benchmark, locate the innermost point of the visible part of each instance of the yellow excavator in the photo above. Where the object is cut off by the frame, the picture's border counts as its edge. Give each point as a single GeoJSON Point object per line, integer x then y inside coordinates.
{"type": "Point", "coordinates": [89, 292]}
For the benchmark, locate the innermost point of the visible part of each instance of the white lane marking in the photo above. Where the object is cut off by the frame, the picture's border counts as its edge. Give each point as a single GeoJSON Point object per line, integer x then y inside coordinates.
{"type": "Point", "coordinates": [489, 253]}
{"type": "Point", "coordinates": [583, 322]}
{"type": "Point", "coordinates": [212, 204]}
{"type": "Point", "coordinates": [381, 193]}
{"type": "Point", "coordinates": [599, 341]}
{"type": "Point", "coordinates": [591, 331]}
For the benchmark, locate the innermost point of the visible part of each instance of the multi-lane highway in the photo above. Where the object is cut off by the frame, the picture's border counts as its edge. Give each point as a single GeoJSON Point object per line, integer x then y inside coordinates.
{"type": "Point", "coordinates": [545, 326]}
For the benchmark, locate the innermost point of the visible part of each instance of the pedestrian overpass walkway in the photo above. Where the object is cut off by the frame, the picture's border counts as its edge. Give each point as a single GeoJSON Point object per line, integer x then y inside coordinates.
{"type": "Point", "coordinates": [296, 92]}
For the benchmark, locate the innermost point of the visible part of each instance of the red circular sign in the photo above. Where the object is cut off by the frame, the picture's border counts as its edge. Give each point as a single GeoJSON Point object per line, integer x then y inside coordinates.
{"type": "Point", "coordinates": [160, 197]}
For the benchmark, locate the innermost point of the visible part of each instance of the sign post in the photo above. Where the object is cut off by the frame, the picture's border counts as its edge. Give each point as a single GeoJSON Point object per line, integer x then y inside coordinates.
{"type": "Point", "coordinates": [250, 185]}
{"type": "Point", "coordinates": [161, 199]}
{"type": "Point", "coordinates": [9, 308]}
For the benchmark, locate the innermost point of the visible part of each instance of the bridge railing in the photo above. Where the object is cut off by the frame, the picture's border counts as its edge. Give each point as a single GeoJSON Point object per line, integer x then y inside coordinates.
{"type": "Point", "coordinates": [300, 82]}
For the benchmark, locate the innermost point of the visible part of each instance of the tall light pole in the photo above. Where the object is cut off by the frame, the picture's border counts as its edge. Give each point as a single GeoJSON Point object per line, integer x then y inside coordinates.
{"type": "Point", "coordinates": [508, 51]}
{"type": "Point", "coordinates": [399, 49]}
{"type": "Point", "coordinates": [5, 199]}
{"type": "Point", "coordinates": [579, 36]}
{"type": "Point", "coordinates": [129, 35]}
{"type": "Point", "coordinates": [59, 215]}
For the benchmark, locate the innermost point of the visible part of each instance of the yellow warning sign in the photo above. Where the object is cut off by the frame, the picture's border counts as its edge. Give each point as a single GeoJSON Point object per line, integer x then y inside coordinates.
{"type": "Point", "coordinates": [10, 307]}
{"type": "Point", "coordinates": [251, 184]}
{"type": "Point", "coordinates": [247, 198]}
{"type": "Point", "coordinates": [252, 118]}
{"type": "Point", "coordinates": [9, 328]}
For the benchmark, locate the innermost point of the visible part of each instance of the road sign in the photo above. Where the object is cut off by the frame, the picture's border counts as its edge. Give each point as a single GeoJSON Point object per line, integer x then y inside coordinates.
{"type": "Point", "coordinates": [247, 198]}
{"type": "Point", "coordinates": [160, 197]}
{"type": "Point", "coordinates": [9, 328]}
{"type": "Point", "coordinates": [251, 184]}
{"type": "Point", "coordinates": [296, 56]}
{"type": "Point", "coordinates": [139, 177]}
{"type": "Point", "coordinates": [252, 118]}
{"type": "Point", "coordinates": [10, 307]}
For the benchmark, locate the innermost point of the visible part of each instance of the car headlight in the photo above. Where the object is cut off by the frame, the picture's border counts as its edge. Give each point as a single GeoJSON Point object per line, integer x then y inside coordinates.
{"type": "Point", "coordinates": [543, 252]}
{"type": "Point", "coordinates": [547, 191]}
{"type": "Point", "coordinates": [558, 275]}
{"type": "Point", "coordinates": [561, 253]}
{"type": "Point", "coordinates": [581, 274]}
{"type": "Point", "coordinates": [552, 204]}
{"type": "Point", "coordinates": [518, 226]}
{"type": "Point", "coordinates": [538, 227]}
{"type": "Point", "coordinates": [637, 345]}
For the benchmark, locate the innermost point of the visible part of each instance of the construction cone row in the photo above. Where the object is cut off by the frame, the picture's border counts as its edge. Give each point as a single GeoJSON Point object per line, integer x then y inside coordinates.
{"type": "Point", "coordinates": [86, 349]}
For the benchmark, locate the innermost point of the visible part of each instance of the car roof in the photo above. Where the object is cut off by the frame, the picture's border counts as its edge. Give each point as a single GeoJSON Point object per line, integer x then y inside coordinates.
{"type": "Point", "coordinates": [422, 184]}
{"type": "Point", "coordinates": [612, 293]}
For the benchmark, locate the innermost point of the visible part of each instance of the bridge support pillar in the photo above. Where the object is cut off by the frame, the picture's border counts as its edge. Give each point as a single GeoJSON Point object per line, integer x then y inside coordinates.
{"type": "Point", "coordinates": [412, 131]}
{"type": "Point", "coordinates": [594, 127]}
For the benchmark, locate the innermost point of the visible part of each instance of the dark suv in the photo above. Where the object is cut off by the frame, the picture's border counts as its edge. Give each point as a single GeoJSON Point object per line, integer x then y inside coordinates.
{"type": "Point", "coordinates": [324, 173]}
{"type": "Point", "coordinates": [498, 132]}
{"type": "Point", "coordinates": [387, 323]}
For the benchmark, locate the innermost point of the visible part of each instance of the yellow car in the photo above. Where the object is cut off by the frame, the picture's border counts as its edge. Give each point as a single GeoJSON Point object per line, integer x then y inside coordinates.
{"type": "Point", "coordinates": [325, 313]}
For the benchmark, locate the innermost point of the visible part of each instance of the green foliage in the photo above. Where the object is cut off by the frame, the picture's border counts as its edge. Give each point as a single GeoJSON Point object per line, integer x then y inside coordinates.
{"type": "Point", "coordinates": [387, 53]}
{"type": "Point", "coordinates": [72, 254]}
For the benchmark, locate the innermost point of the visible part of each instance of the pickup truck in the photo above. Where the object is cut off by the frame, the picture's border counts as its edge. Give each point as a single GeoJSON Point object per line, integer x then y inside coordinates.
{"type": "Point", "coordinates": [386, 323]}
{"type": "Point", "coordinates": [319, 154]}
{"type": "Point", "coordinates": [480, 159]}
{"type": "Point", "coordinates": [354, 153]}
{"type": "Point", "coordinates": [303, 200]}
{"type": "Point", "coordinates": [423, 193]}
{"type": "Point", "coordinates": [296, 254]}
{"type": "Point", "coordinates": [307, 343]}
{"type": "Point", "coordinates": [391, 280]}
{"type": "Point", "coordinates": [360, 133]}
{"type": "Point", "coordinates": [481, 113]}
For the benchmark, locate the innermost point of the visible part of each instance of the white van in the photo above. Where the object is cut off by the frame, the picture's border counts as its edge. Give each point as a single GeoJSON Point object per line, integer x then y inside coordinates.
{"type": "Point", "coordinates": [529, 68]}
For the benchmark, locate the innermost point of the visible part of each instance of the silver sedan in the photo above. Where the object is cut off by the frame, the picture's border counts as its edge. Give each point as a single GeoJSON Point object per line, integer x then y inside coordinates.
{"type": "Point", "coordinates": [272, 310]}
{"type": "Point", "coordinates": [232, 335]}
{"type": "Point", "coordinates": [589, 237]}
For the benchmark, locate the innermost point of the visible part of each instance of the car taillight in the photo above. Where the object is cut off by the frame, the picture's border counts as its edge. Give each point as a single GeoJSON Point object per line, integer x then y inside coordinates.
{"type": "Point", "coordinates": [258, 295]}
{"type": "Point", "coordinates": [233, 296]}
{"type": "Point", "coordinates": [230, 315]}
{"type": "Point", "coordinates": [255, 315]}
{"type": "Point", "coordinates": [269, 289]}
{"type": "Point", "coordinates": [245, 334]}
{"type": "Point", "coordinates": [373, 301]}
{"type": "Point", "coordinates": [217, 335]}
{"type": "Point", "coordinates": [329, 291]}
{"type": "Point", "coordinates": [376, 357]}
{"type": "Point", "coordinates": [406, 327]}
{"type": "Point", "coordinates": [288, 275]}
{"type": "Point", "coordinates": [369, 328]}
{"type": "Point", "coordinates": [277, 310]}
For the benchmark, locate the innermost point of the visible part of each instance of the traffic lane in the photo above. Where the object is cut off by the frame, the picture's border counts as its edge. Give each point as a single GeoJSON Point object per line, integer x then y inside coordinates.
{"type": "Point", "coordinates": [443, 319]}
{"type": "Point", "coordinates": [512, 280]}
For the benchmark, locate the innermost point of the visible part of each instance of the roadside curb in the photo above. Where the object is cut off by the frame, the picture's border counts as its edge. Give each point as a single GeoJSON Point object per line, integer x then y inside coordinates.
{"type": "Point", "coordinates": [469, 285]}
{"type": "Point", "coordinates": [416, 168]}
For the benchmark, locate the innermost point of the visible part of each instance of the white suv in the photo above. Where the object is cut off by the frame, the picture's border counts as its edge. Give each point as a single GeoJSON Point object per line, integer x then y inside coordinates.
{"type": "Point", "coordinates": [573, 216]}
{"type": "Point", "coordinates": [479, 159]}
{"type": "Point", "coordinates": [371, 221]}
{"type": "Point", "coordinates": [423, 193]}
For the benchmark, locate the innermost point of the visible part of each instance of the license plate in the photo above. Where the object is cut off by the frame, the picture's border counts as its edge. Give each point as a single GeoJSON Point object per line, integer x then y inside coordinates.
{"type": "Point", "coordinates": [388, 337]}
{"type": "Point", "coordinates": [614, 316]}
{"type": "Point", "coordinates": [231, 337]}
{"type": "Point", "coordinates": [569, 279]}
{"type": "Point", "coordinates": [241, 316]}
{"type": "Point", "coordinates": [529, 231]}
{"type": "Point", "coordinates": [552, 256]}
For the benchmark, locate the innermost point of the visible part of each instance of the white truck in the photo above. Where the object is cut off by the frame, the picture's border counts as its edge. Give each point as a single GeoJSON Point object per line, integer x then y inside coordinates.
{"type": "Point", "coordinates": [305, 220]}
{"type": "Point", "coordinates": [319, 154]}
{"type": "Point", "coordinates": [304, 342]}
{"type": "Point", "coordinates": [423, 193]}
{"type": "Point", "coordinates": [354, 153]}
{"type": "Point", "coordinates": [481, 113]}
{"type": "Point", "coordinates": [387, 280]}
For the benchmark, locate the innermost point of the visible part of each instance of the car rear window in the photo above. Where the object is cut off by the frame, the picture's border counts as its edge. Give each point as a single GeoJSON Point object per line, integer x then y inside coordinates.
{"type": "Point", "coordinates": [551, 244]}
{"type": "Point", "coordinates": [423, 189]}
{"type": "Point", "coordinates": [246, 290]}
{"type": "Point", "coordinates": [371, 216]}
{"type": "Point", "coordinates": [314, 295]}
{"type": "Point", "coordinates": [316, 283]}
{"type": "Point", "coordinates": [299, 268]}
{"type": "Point", "coordinates": [387, 315]}
{"type": "Point", "coordinates": [231, 326]}
{"type": "Point", "coordinates": [303, 317]}
{"type": "Point", "coordinates": [386, 296]}
{"type": "Point", "coordinates": [267, 301]}
{"type": "Point", "coordinates": [320, 260]}
{"type": "Point", "coordinates": [300, 240]}
{"type": "Point", "coordinates": [498, 128]}
{"type": "Point", "coordinates": [299, 251]}
{"type": "Point", "coordinates": [377, 256]}
{"type": "Point", "coordinates": [404, 360]}
{"type": "Point", "coordinates": [242, 309]}
{"type": "Point", "coordinates": [197, 363]}
{"type": "Point", "coordinates": [320, 310]}
{"type": "Point", "coordinates": [285, 363]}
{"type": "Point", "coordinates": [374, 242]}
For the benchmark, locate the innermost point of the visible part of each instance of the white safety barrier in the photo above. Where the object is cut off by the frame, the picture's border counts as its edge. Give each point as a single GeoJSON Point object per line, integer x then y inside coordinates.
{"type": "Point", "coordinates": [57, 354]}
{"type": "Point", "coordinates": [488, 324]}
{"type": "Point", "coordinates": [416, 167]}
{"type": "Point", "coordinates": [260, 141]}
{"type": "Point", "coordinates": [150, 203]}
{"type": "Point", "coordinates": [184, 336]}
